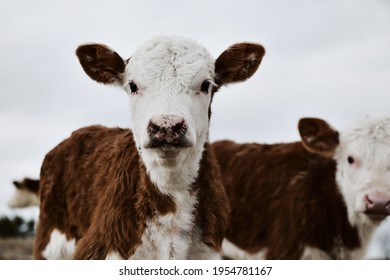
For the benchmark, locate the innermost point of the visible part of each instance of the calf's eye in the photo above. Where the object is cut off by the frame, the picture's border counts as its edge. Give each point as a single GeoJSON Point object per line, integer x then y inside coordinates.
{"type": "Point", "coordinates": [205, 86]}
{"type": "Point", "coordinates": [350, 160]}
{"type": "Point", "coordinates": [133, 88]}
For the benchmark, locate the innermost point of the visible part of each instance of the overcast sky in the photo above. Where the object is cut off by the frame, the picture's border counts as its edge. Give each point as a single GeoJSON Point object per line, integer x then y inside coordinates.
{"type": "Point", "coordinates": [328, 59]}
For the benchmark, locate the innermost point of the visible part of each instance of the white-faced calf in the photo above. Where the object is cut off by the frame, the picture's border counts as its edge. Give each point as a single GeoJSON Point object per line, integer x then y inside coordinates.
{"type": "Point", "coordinates": [320, 198]}
{"type": "Point", "coordinates": [154, 192]}
{"type": "Point", "coordinates": [26, 193]}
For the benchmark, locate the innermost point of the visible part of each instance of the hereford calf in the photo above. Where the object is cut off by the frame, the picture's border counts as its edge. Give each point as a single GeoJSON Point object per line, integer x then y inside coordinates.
{"type": "Point", "coordinates": [320, 198]}
{"type": "Point", "coordinates": [26, 193]}
{"type": "Point", "coordinates": [154, 192]}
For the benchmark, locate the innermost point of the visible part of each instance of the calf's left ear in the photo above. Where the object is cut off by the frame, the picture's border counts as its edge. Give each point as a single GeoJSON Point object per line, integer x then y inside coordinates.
{"type": "Point", "coordinates": [238, 63]}
{"type": "Point", "coordinates": [318, 136]}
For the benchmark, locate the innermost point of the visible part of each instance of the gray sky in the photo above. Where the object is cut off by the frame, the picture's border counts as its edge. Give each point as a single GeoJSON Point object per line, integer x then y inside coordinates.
{"type": "Point", "coordinates": [328, 59]}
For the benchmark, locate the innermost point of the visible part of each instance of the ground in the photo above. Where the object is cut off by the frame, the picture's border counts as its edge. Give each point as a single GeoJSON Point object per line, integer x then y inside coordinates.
{"type": "Point", "coordinates": [16, 248]}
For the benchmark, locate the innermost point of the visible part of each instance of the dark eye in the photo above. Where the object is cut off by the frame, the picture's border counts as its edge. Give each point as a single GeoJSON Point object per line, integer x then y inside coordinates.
{"type": "Point", "coordinates": [133, 88]}
{"type": "Point", "coordinates": [205, 86]}
{"type": "Point", "coordinates": [350, 159]}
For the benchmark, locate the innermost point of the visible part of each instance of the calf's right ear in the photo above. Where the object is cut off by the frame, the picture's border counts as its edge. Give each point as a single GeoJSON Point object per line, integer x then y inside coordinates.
{"type": "Point", "coordinates": [318, 136]}
{"type": "Point", "coordinates": [101, 63]}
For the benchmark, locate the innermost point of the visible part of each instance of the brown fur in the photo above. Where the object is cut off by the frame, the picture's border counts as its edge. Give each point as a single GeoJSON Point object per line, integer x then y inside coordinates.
{"type": "Point", "coordinates": [317, 137]}
{"type": "Point", "coordinates": [244, 56]}
{"type": "Point", "coordinates": [101, 63]}
{"type": "Point", "coordinates": [283, 198]}
{"type": "Point", "coordinates": [213, 209]}
{"type": "Point", "coordinates": [102, 197]}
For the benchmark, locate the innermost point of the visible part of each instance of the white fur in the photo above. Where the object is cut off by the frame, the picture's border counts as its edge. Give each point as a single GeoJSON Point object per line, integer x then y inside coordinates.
{"type": "Point", "coordinates": [59, 247]}
{"type": "Point", "coordinates": [23, 198]}
{"type": "Point", "coordinates": [379, 247]}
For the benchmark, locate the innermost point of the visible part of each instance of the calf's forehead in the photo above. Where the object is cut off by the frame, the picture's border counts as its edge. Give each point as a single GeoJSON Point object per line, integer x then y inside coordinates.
{"type": "Point", "coordinates": [171, 58]}
{"type": "Point", "coordinates": [375, 130]}
{"type": "Point", "coordinates": [369, 138]}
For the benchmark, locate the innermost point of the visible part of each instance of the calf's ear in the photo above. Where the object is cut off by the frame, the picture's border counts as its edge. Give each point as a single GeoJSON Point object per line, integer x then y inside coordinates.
{"type": "Point", "coordinates": [101, 63]}
{"type": "Point", "coordinates": [318, 136]}
{"type": "Point", "coordinates": [17, 184]}
{"type": "Point", "coordinates": [238, 63]}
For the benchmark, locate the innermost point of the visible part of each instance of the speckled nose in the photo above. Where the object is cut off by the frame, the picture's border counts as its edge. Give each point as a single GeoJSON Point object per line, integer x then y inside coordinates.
{"type": "Point", "coordinates": [167, 130]}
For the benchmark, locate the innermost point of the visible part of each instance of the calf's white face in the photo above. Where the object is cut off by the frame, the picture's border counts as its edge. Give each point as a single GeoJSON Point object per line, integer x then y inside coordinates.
{"type": "Point", "coordinates": [362, 155]}
{"type": "Point", "coordinates": [363, 170]}
{"type": "Point", "coordinates": [170, 83]}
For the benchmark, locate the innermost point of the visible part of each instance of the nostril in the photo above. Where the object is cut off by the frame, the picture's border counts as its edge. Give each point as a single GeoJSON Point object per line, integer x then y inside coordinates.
{"type": "Point", "coordinates": [153, 128]}
{"type": "Point", "coordinates": [180, 127]}
{"type": "Point", "coordinates": [368, 201]}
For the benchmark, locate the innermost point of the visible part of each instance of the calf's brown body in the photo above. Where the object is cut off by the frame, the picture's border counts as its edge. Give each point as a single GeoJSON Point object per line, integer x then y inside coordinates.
{"type": "Point", "coordinates": [284, 198]}
{"type": "Point", "coordinates": [103, 197]}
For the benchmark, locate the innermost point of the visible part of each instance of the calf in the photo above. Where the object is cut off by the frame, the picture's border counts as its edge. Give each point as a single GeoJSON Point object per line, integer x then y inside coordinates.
{"type": "Point", "coordinates": [154, 192]}
{"type": "Point", "coordinates": [320, 198]}
{"type": "Point", "coordinates": [26, 193]}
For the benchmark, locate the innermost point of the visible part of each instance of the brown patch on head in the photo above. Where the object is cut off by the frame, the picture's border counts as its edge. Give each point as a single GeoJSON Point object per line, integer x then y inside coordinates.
{"type": "Point", "coordinates": [238, 63]}
{"type": "Point", "coordinates": [318, 136]}
{"type": "Point", "coordinates": [101, 63]}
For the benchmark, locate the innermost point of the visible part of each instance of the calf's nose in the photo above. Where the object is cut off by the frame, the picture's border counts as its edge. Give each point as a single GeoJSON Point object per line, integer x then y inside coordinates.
{"type": "Point", "coordinates": [167, 130]}
{"type": "Point", "coordinates": [377, 205]}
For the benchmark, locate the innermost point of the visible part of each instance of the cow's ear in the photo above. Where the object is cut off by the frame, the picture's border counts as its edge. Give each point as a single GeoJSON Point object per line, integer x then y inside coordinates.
{"type": "Point", "coordinates": [17, 184]}
{"type": "Point", "coordinates": [238, 63]}
{"type": "Point", "coordinates": [101, 63]}
{"type": "Point", "coordinates": [318, 136]}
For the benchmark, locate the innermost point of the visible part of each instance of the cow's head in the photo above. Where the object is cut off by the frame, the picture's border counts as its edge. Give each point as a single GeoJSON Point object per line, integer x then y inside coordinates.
{"type": "Point", "coordinates": [362, 154]}
{"type": "Point", "coordinates": [171, 82]}
{"type": "Point", "coordinates": [26, 194]}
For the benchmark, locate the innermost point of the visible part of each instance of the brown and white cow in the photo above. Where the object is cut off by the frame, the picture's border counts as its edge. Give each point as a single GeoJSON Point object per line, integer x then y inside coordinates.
{"type": "Point", "coordinates": [320, 198]}
{"type": "Point", "coordinates": [26, 193]}
{"type": "Point", "coordinates": [154, 192]}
